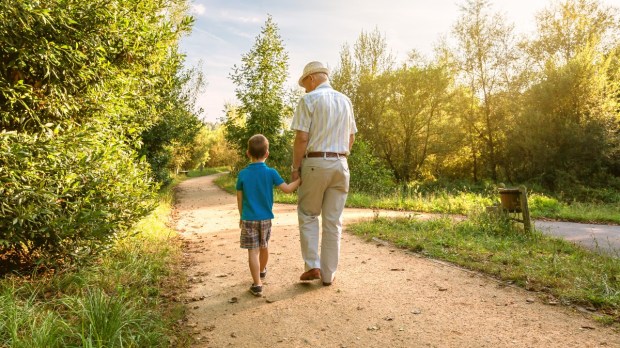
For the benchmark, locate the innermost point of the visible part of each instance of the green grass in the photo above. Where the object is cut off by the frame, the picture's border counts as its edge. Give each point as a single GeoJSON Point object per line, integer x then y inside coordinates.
{"type": "Point", "coordinates": [119, 300]}
{"type": "Point", "coordinates": [206, 171]}
{"type": "Point", "coordinates": [464, 202]}
{"type": "Point", "coordinates": [560, 270]}
{"type": "Point", "coordinates": [444, 203]}
{"type": "Point", "coordinates": [228, 182]}
{"type": "Point", "coordinates": [542, 206]}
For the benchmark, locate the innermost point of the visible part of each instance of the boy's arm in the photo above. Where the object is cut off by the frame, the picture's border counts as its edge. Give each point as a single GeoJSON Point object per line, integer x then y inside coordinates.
{"type": "Point", "coordinates": [288, 188]}
{"type": "Point", "coordinates": [240, 202]}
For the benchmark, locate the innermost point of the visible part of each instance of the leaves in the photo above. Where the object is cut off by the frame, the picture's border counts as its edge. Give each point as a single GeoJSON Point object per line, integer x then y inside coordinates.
{"type": "Point", "coordinates": [260, 89]}
{"type": "Point", "coordinates": [80, 83]}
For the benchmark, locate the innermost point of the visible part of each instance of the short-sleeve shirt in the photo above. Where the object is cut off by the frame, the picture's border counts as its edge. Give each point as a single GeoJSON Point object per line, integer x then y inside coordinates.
{"type": "Point", "coordinates": [257, 181]}
{"type": "Point", "coordinates": [327, 116]}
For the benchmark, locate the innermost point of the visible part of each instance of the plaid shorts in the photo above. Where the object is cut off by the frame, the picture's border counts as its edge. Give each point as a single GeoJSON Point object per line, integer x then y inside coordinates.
{"type": "Point", "coordinates": [255, 234]}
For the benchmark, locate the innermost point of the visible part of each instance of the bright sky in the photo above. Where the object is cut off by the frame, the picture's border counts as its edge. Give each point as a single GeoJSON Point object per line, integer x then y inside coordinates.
{"type": "Point", "coordinates": [316, 30]}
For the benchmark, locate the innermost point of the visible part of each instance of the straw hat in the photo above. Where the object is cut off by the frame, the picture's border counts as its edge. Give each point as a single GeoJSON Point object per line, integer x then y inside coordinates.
{"type": "Point", "coordinates": [312, 68]}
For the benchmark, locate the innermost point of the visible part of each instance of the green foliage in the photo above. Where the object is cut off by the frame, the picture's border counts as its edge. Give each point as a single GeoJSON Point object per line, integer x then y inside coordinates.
{"type": "Point", "coordinates": [220, 152]}
{"type": "Point", "coordinates": [368, 174]}
{"type": "Point", "coordinates": [67, 194]}
{"type": "Point", "coordinates": [80, 82]}
{"type": "Point", "coordinates": [542, 111]}
{"type": "Point", "coordinates": [484, 55]}
{"type": "Point", "coordinates": [541, 205]}
{"type": "Point", "coordinates": [260, 89]}
{"type": "Point", "coordinates": [575, 145]}
{"type": "Point", "coordinates": [113, 302]}
{"type": "Point", "coordinates": [171, 143]}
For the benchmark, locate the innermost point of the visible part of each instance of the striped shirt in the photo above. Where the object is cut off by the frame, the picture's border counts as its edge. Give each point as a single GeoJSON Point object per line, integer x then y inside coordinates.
{"type": "Point", "coordinates": [327, 116]}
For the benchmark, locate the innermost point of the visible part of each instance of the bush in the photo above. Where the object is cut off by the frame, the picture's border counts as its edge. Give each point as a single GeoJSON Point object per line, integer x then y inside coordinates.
{"type": "Point", "coordinates": [79, 83]}
{"type": "Point", "coordinates": [541, 205]}
{"type": "Point", "coordinates": [368, 174]}
{"type": "Point", "coordinates": [68, 193]}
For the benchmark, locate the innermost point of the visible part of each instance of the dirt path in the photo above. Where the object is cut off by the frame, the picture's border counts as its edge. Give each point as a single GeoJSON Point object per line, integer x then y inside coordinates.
{"type": "Point", "coordinates": [382, 297]}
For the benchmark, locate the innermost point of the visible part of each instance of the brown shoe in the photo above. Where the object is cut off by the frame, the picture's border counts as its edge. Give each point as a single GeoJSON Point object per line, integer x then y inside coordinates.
{"type": "Point", "coordinates": [312, 274]}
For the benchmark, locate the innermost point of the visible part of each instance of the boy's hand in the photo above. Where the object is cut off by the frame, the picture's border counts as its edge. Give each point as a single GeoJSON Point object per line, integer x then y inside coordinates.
{"type": "Point", "coordinates": [295, 176]}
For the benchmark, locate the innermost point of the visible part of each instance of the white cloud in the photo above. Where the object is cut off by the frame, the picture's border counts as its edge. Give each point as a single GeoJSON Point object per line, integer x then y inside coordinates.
{"type": "Point", "coordinates": [198, 9]}
{"type": "Point", "coordinates": [239, 18]}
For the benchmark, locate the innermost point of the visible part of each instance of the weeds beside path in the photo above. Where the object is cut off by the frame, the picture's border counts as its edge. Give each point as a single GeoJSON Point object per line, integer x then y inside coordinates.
{"type": "Point", "coordinates": [382, 296]}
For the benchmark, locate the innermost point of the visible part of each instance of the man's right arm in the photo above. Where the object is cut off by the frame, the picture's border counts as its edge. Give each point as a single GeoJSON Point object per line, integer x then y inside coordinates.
{"type": "Point", "coordinates": [351, 141]}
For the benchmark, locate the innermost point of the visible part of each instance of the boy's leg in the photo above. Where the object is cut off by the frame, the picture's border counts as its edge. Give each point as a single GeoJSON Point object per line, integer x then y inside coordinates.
{"type": "Point", "coordinates": [263, 243]}
{"type": "Point", "coordinates": [253, 261]}
{"type": "Point", "coordinates": [264, 258]}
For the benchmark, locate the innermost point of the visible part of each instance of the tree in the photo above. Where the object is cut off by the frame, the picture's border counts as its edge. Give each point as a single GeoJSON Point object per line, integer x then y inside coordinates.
{"type": "Point", "coordinates": [260, 90]}
{"type": "Point", "coordinates": [359, 76]}
{"type": "Point", "coordinates": [369, 59]}
{"type": "Point", "coordinates": [569, 27]}
{"type": "Point", "coordinates": [79, 84]}
{"type": "Point", "coordinates": [399, 112]}
{"type": "Point", "coordinates": [168, 143]}
{"type": "Point", "coordinates": [221, 153]}
{"type": "Point", "coordinates": [411, 126]}
{"type": "Point", "coordinates": [485, 54]}
{"type": "Point", "coordinates": [568, 131]}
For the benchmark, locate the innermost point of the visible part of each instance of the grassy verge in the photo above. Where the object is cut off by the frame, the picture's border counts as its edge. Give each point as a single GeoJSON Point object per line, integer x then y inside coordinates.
{"type": "Point", "coordinates": [120, 300]}
{"type": "Point", "coordinates": [444, 202]}
{"type": "Point", "coordinates": [561, 271]}
{"type": "Point", "coordinates": [206, 171]}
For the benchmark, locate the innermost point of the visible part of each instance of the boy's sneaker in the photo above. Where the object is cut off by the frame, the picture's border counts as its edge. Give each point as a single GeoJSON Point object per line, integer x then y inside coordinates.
{"type": "Point", "coordinates": [256, 290]}
{"type": "Point", "coordinates": [263, 274]}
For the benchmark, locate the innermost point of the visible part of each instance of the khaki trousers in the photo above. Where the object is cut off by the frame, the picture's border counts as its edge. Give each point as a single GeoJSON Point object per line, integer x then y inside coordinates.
{"type": "Point", "coordinates": [324, 190]}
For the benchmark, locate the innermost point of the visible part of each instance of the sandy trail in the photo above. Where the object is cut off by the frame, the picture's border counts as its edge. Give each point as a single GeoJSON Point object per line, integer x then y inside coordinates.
{"type": "Point", "coordinates": [382, 296]}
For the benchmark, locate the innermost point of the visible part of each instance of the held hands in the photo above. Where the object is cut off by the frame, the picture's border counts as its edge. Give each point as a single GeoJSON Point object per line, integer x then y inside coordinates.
{"type": "Point", "coordinates": [295, 175]}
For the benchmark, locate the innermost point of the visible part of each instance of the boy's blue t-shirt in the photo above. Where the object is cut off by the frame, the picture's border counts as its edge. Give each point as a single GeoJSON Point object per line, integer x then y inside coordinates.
{"type": "Point", "coordinates": [257, 181]}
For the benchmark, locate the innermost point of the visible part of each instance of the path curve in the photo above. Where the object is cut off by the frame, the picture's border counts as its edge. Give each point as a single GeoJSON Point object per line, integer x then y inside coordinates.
{"type": "Point", "coordinates": [382, 297]}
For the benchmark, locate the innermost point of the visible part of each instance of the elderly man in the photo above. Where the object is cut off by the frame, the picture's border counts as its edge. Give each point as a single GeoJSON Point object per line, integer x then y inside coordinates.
{"type": "Point", "coordinates": [325, 132]}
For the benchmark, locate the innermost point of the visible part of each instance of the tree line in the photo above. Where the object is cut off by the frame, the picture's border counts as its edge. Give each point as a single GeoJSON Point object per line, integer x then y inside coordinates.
{"type": "Point", "coordinates": [492, 105]}
{"type": "Point", "coordinates": [489, 105]}
{"type": "Point", "coordinates": [94, 100]}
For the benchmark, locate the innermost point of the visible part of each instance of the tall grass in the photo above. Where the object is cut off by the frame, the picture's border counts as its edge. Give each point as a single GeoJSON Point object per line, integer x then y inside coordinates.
{"type": "Point", "coordinates": [462, 200]}
{"type": "Point", "coordinates": [118, 300]}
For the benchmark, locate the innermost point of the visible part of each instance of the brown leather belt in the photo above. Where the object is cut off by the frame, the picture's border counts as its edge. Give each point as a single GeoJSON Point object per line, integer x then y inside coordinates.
{"type": "Point", "coordinates": [325, 154]}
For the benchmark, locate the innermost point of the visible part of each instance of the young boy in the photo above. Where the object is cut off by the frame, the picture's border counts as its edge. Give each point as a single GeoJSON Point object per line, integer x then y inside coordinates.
{"type": "Point", "coordinates": [255, 202]}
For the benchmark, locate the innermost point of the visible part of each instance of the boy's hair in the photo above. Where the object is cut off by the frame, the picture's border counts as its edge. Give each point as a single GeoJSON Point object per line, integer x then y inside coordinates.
{"type": "Point", "coordinates": [258, 146]}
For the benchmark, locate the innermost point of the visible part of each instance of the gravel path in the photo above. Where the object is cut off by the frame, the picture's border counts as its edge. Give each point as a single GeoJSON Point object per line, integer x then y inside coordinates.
{"type": "Point", "coordinates": [382, 296]}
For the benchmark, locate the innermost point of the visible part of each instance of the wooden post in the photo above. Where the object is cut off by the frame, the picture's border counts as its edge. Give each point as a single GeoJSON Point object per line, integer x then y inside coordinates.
{"type": "Point", "coordinates": [525, 209]}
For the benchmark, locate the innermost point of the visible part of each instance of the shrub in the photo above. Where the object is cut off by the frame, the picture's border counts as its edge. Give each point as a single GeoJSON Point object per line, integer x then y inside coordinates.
{"type": "Point", "coordinates": [79, 83]}
{"type": "Point", "coordinates": [542, 205]}
{"type": "Point", "coordinates": [368, 174]}
{"type": "Point", "coordinates": [68, 193]}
